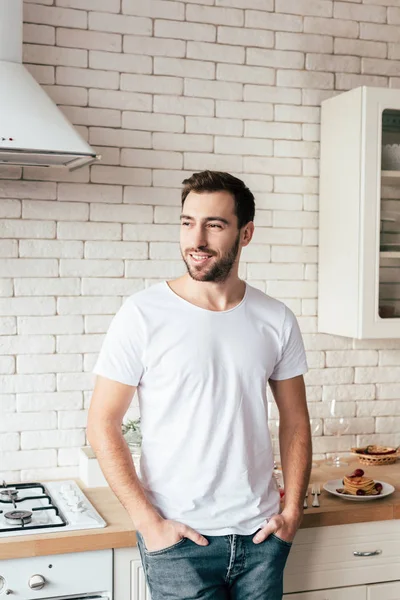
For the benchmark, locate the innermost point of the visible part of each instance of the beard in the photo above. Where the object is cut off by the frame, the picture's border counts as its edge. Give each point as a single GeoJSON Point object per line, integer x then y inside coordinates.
{"type": "Point", "coordinates": [219, 270]}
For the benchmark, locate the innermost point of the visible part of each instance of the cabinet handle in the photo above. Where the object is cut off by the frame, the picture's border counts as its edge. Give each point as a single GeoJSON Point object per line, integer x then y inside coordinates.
{"type": "Point", "coordinates": [371, 553]}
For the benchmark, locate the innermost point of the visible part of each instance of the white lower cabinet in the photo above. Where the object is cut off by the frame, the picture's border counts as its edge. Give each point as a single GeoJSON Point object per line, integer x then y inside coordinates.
{"type": "Point", "coordinates": [358, 592]}
{"type": "Point", "coordinates": [384, 591]}
{"type": "Point", "coordinates": [129, 579]}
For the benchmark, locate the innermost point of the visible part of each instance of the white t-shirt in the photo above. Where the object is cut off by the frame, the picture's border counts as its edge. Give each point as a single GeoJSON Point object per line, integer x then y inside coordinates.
{"type": "Point", "coordinates": [202, 375]}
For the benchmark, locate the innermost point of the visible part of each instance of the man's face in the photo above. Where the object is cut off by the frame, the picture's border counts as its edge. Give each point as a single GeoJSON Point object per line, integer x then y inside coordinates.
{"type": "Point", "coordinates": [210, 238]}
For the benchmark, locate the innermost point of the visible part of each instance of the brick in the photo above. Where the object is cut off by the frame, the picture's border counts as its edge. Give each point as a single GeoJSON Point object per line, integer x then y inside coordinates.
{"type": "Point", "coordinates": [42, 74]}
{"type": "Point", "coordinates": [296, 79]}
{"type": "Point", "coordinates": [109, 6]}
{"type": "Point", "coordinates": [259, 183]}
{"type": "Point", "coordinates": [319, 8]}
{"type": "Point", "coordinates": [162, 9]}
{"type": "Point", "coordinates": [279, 201]}
{"type": "Point", "coordinates": [68, 456]}
{"type": "Point", "coordinates": [164, 251]}
{"type": "Point", "coordinates": [387, 425]}
{"type": "Point", "coordinates": [370, 31]}
{"type": "Point", "coordinates": [63, 94]}
{"type": "Point", "coordinates": [51, 325]}
{"type": "Point", "coordinates": [315, 97]}
{"type": "Point", "coordinates": [257, 4]}
{"type": "Point", "coordinates": [310, 237]}
{"type": "Point", "coordinates": [33, 53]}
{"type": "Point", "coordinates": [89, 192]}
{"type": "Point", "coordinates": [230, 145]}
{"type": "Point", "coordinates": [120, 100]}
{"type": "Point", "coordinates": [304, 42]}
{"type": "Point", "coordinates": [183, 68]}
{"type": "Point", "coordinates": [380, 67]}
{"type": "Point", "coordinates": [245, 74]}
{"type": "Point", "coordinates": [244, 110]}
{"type": "Point", "coordinates": [215, 52]}
{"type": "Point", "coordinates": [60, 17]}
{"type": "Point", "coordinates": [20, 306]}
{"type": "Point", "coordinates": [256, 253]}
{"type": "Point", "coordinates": [273, 21]}
{"type": "Point", "coordinates": [305, 185]}
{"type": "Point", "coordinates": [345, 10]}
{"type": "Point", "coordinates": [393, 15]}
{"type": "Point", "coordinates": [152, 84]}
{"type": "Point", "coordinates": [355, 358]}
{"type": "Point", "coordinates": [169, 178]}
{"type": "Point", "coordinates": [346, 82]}
{"type": "Point", "coordinates": [153, 122]}
{"type": "Point", "coordinates": [26, 459]}
{"type": "Point", "coordinates": [75, 382]}
{"type": "Point", "coordinates": [335, 27]}
{"type": "Point", "coordinates": [358, 425]}
{"type": "Point", "coordinates": [321, 62]}
{"type": "Point", "coordinates": [93, 286]}
{"type": "Point", "coordinates": [120, 175]}
{"type": "Point", "coordinates": [296, 149]}
{"type": "Point", "coordinates": [311, 169]}
{"type": "Point", "coordinates": [8, 248]}
{"type": "Point", "coordinates": [119, 62]}
{"type": "Point", "coordinates": [276, 166]}
{"type": "Point", "coordinates": [295, 219]}
{"type": "Point", "coordinates": [6, 287]}
{"type": "Point", "coordinates": [52, 439]}
{"type": "Point", "coordinates": [153, 268]}
{"type": "Point", "coordinates": [9, 442]}
{"type": "Point", "coordinates": [377, 374]}
{"type": "Point", "coordinates": [121, 214]}
{"type": "Point", "coordinates": [154, 47]}
{"type": "Point", "coordinates": [35, 209]}
{"type": "Point", "coordinates": [28, 421]}
{"type": "Point", "coordinates": [50, 249]}
{"type": "Point", "coordinates": [10, 209]}
{"type": "Point", "coordinates": [69, 419]}
{"type": "Point", "coordinates": [393, 51]}
{"type": "Point", "coordinates": [7, 365]}
{"type": "Point", "coordinates": [245, 37]}
{"type": "Point", "coordinates": [378, 408]}
{"type": "Point", "coordinates": [89, 305]}
{"type": "Point", "coordinates": [360, 48]}
{"type": "Point", "coordinates": [283, 59]}
{"type": "Point", "coordinates": [121, 138]}
{"type": "Point", "coordinates": [274, 272]}
{"type": "Point", "coordinates": [183, 142]}
{"type": "Point", "coordinates": [292, 289]}
{"type": "Point", "coordinates": [89, 40]}
{"type": "Point", "coordinates": [26, 267]}
{"type": "Point", "coordinates": [49, 363]}
{"type": "Point", "coordinates": [213, 89]}
{"type": "Point", "coordinates": [311, 133]}
{"type": "Point", "coordinates": [218, 162]}
{"type": "Point", "coordinates": [309, 307]}
{"type": "Point", "coordinates": [218, 16]}
{"type": "Point", "coordinates": [152, 195]}
{"type": "Point", "coordinates": [294, 254]}
{"type": "Point", "coordinates": [183, 106]}
{"type": "Point", "coordinates": [273, 94]}
{"type": "Point", "coordinates": [50, 286]}
{"type": "Point", "coordinates": [89, 231]}
{"type": "Point", "coordinates": [94, 268]}
{"type": "Point", "coordinates": [299, 114]}
{"type": "Point", "coordinates": [207, 125]}
{"type": "Point", "coordinates": [27, 189]}
{"type": "Point", "coordinates": [39, 34]}
{"type": "Point", "coordinates": [120, 23]}
{"type": "Point", "coordinates": [329, 376]}
{"type": "Point", "coordinates": [151, 233]}
{"type": "Point", "coordinates": [185, 31]}
{"type": "Point", "coordinates": [87, 78]}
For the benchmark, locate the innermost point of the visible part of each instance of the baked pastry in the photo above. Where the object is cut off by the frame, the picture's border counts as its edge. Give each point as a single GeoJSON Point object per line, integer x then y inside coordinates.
{"type": "Point", "coordinates": [357, 484]}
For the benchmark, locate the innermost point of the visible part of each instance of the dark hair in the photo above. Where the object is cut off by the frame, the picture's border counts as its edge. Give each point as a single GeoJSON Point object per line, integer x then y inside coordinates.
{"type": "Point", "coordinates": [216, 181]}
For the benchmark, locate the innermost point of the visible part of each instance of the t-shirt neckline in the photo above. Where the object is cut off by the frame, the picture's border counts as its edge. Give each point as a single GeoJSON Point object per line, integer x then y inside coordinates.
{"type": "Point", "coordinates": [206, 310]}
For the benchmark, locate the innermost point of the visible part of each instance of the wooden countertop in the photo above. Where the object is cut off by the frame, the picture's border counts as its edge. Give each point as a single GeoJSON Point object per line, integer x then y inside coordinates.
{"type": "Point", "coordinates": [120, 532]}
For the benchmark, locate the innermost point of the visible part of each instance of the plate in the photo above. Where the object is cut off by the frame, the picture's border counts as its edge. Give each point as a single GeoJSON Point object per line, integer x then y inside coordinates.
{"type": "Point", "coordinates": [332, 485]}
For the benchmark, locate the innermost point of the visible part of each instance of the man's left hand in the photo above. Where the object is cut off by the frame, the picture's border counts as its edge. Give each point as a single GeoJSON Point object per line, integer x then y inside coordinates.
{"type": "Point", "coordinates": [283, 525]}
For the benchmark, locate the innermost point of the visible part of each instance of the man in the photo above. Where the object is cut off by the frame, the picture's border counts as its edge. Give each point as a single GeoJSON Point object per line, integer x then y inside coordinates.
{"type": "Point", "coordinates": [201, 350]}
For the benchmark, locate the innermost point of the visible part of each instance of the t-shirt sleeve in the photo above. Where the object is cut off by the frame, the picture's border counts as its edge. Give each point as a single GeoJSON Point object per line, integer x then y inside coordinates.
{"type": "Point", "coordinates": [292, 360]}
{"type": "Point", "coordinates": [120, 357]}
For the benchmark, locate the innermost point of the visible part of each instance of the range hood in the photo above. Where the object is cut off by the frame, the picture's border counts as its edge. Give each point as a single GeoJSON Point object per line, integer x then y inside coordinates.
{"type": "Point", "coordinates": [33, 131]}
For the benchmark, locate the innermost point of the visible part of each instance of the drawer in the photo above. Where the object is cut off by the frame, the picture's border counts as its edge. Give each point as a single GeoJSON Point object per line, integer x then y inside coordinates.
{"type": "Point", "coordinates": [358, 592]}
{"type": "Point", "coordinates": [384, 591]}
{"type": "Point", "coordinates": [321, 557]}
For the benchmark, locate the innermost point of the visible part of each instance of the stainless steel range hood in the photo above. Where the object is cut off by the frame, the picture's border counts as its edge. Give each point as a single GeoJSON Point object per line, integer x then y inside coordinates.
{"type": "Point", "coordinates": [33, 131]}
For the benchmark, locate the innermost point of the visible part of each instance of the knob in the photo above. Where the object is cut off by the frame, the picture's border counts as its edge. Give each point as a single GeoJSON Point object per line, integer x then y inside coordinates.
{"type": "Point", "coordinates": [37, 582]}
{"type": "Point", "coordinates": [8, 592]}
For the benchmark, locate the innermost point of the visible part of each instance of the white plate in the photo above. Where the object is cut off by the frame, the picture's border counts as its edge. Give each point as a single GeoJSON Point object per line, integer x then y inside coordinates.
{"type": "Point", "coordinates": [334, 484]}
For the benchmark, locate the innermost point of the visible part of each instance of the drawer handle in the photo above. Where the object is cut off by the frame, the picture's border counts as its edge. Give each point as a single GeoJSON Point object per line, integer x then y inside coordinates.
{"type": "Point", "coordinates": [372, 553]}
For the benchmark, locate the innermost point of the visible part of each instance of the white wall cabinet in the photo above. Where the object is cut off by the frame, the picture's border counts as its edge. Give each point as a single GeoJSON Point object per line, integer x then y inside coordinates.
{"type": "Point", "coordinates": [359, 233]}
{"type": "Point", "coordinates": [358, 592]}
{"type": "Point", "coordinates": [384, 591]}
{"type": "Point", "coordinates": [129, 578]}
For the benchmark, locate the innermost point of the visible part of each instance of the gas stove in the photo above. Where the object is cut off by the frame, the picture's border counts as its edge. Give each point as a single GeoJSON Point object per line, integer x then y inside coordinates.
{"type": "Point", "coordinates": [28, 508]}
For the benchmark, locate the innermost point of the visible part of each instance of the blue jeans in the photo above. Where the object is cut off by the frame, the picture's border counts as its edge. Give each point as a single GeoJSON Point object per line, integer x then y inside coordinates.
{"type": "Point", "coordinates": [231, 567]}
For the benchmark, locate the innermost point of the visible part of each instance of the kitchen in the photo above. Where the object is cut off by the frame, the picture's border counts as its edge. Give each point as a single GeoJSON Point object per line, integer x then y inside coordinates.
{"type": "Point", "coordinates": [159, 90]}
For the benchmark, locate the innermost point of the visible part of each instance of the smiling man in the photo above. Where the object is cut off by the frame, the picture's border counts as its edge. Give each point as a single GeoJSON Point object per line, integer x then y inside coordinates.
{"type": "Point", "coordinates": [201, 350]}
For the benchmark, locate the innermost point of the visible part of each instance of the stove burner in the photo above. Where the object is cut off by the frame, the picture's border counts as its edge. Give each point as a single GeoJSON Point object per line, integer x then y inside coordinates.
{"type": "Point", "coordinates": [8, 494]}
{"type": "Point", "coordinates": [25, 516]}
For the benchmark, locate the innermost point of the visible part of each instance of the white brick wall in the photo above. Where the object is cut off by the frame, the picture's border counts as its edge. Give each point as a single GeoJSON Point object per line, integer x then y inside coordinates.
{"type": "Point", "coordinates": [162, 88]}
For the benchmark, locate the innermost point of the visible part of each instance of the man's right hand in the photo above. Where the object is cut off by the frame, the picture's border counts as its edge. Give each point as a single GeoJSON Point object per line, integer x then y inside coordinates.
{"type": "Point", "coordinates": [166, 533]}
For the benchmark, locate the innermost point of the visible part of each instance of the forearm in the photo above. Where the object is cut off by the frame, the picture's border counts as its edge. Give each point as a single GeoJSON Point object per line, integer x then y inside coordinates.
{"type": "Point", "coordinates": [116, 462]}
{"type": "Point", "coordinates": [296, 457]}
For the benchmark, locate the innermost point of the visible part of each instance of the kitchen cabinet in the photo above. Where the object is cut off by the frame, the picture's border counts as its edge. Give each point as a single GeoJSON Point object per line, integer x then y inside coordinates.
{"type": "Point", "coordinates": [359, 229]}
{"type": "Point", "coordinates": [129, 578]}
{"type": "Point", "coordinates": [358, 592]}
{"type": "Point", "coordinates": [384, 591]}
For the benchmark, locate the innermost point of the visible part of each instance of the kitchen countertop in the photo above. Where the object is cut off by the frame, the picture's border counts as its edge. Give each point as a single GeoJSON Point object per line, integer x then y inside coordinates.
{"type": "Point", "coordinates": [120, 532]}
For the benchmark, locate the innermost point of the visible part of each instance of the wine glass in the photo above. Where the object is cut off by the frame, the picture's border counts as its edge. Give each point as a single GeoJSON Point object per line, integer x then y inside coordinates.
{"type": "Point", "coordinates": [316, 429]}
{"type": "Point", "coordinates": [336, 425]}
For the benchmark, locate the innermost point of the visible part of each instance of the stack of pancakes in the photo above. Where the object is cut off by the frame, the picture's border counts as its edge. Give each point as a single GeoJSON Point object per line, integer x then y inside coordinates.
{"type": "Point", "coordinates": [352, 484]}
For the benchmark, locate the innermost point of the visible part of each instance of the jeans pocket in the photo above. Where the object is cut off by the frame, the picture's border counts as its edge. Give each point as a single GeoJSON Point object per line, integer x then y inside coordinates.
{"type": "Point", "coordinates": [281, 541]}
{"type": "Point", "coordinates": [162, 550]}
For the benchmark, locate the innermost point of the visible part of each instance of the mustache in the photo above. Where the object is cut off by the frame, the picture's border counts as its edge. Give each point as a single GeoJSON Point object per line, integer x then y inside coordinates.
{"type": "Point", "coordinates": [200, 249]}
